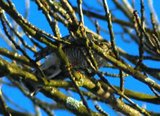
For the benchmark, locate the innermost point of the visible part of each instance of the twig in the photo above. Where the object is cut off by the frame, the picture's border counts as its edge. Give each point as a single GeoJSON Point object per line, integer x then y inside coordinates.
{"type": "Point", "coordinates": [3, 105]}
{"type": "Point", "coordinates": [141, 37]}
{"type": "Point", "coordinates": [34, 100]}
{"type": "Point", "coordinates": [99, 108]}
{"type": "Point", "coordinates": [155, 92]}
{"type": "Point", "coordinates": [97, 27]}
{"type": "Point", "coordinates": [122, 94]}
{"type": "Point", "coordinates": [108, 15]}
{"type": "Point", "coordinates": [69, 69]}
{"type": "Point", "coordinates": [79, 2]}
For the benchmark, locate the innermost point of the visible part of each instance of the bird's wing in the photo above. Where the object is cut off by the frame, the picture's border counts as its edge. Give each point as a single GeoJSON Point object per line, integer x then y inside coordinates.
{"type": "Point", "coordinates": [47, 50]}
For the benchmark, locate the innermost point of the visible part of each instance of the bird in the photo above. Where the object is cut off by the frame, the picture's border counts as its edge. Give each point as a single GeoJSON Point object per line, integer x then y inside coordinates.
{"type": "Point", "coordinates": [53, 68]}
{"type": "Point", "coordinates": [76, 54]}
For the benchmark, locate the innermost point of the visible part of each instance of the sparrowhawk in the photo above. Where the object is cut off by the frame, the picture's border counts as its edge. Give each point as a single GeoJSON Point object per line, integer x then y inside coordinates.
{"type": "Point", "coordinates": [78, 55]}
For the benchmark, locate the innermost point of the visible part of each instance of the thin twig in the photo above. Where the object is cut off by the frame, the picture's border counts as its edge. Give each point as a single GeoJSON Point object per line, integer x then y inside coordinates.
{"type": "Point", "coordinates": [141, 37]}
{"type": "Point", "coordinates": [3, 105]}
{"type": "Point", "coordinates": [99, 108]}
{"type": "Point", "coordinates": [108, 15]}
{"type": "Point", "coordinates": [34, 100]}
{"type": "Point", "coordinates": [122, 94]}
{"type": "Point", "coordinates": [70, 71]}
{"type": "Point", "coordinates": [79, 2]}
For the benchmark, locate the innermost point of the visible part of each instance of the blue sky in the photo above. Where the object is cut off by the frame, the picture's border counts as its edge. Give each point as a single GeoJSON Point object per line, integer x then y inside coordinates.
{"type": "Point", "coordinates": [37, 19]}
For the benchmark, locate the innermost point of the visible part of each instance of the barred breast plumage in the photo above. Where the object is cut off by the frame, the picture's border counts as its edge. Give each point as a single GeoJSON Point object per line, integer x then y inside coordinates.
{"type": "Point", "coordinates": [76, 55]}
{"type": "Point", "coordinates": [53, 68]}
